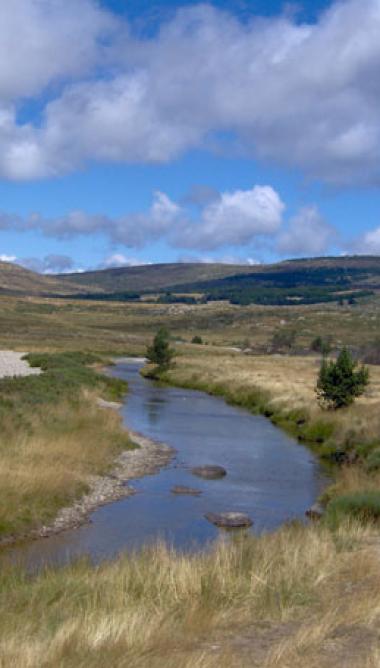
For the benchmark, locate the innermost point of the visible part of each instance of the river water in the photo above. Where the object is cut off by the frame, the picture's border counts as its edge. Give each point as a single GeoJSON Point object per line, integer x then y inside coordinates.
{"type": "Point", "coordinates": [269, 476]}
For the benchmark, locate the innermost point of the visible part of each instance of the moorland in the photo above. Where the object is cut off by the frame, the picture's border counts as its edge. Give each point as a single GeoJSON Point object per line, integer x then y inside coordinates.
{"type": "Point", "coordinates": [304, 595]}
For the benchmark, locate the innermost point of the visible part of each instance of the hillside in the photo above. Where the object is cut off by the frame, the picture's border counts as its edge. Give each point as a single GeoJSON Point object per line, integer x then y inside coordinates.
{"type": "Point", "coordinates": [305, 281]}
{"type": "Point", "coordinates": [16, 280]}
{"type": "Point", "coordinates": [151, 276]}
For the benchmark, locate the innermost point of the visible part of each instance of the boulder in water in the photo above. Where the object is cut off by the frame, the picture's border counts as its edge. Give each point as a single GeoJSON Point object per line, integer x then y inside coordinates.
{"type": "Point", "coordinates": [229, 520]}
{"type": "Point", "coordinates": [209, 472]}
{"type": "Point", "coordinates": [190, 491]}
{"type": "Point", "coordinates": [315, 512]}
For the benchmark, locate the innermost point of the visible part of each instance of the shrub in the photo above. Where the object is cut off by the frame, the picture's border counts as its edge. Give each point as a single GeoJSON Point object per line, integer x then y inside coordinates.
{"type": "Point", "coordinates": [160, 352]}
{"type": "Point", "coordinates": [283, 339]}
{"type": "Point", "coordinates": [340, 382]}
{"type": "Point", "coordinates": [373, 460]}
{"type": "Point", "coordinates": [364, 506]}
{"type": "Point", "coordinates": [320, 345]}
{"type": "Point", "coordinates": [197, 339]}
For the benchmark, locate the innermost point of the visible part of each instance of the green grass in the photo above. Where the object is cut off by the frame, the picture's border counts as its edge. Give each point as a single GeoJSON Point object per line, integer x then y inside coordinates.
{"type": "Point", "coordinates": [362, 505]}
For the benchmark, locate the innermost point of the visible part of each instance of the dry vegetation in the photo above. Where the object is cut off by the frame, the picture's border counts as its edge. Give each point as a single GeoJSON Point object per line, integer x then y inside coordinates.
{"type": "Point", "coordinates": [299, 597]}
{"type": "Point", "coordinates": [48, 324]}
{"type": "Point", "coordinates": [303, 596]}
{"type": "Point", "coordinates": [53, 439]}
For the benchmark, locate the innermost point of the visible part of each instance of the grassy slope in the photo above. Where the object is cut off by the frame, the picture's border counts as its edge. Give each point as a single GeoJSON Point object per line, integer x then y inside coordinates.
{"type": "Point", "coordinates": [151, 277]}
{"type": "Point", "coordinates": [18, 280]}
{"type": "Point", "coordinates": [53, 437]}
{"type": "Point", "coordinates": [35, 324]}
{"type": "Point", "coordinates": [158, 276]}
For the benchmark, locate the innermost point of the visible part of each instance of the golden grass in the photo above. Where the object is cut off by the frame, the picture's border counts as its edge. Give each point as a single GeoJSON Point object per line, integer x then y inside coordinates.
{"type": "Point", "coordinates": [50, 463]}
{"type": "Point", "coordinates": [285, 599]}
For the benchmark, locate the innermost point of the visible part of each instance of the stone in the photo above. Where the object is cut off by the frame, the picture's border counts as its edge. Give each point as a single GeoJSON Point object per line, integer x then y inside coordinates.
{"type": "Point", "coordinates": [190, 491]}
{"type": "Point", "coordinates": [315, 512]}
{"type": "Point", "coordinates": [209, 472]}
{"type": "Point", "coordinates": [229, 520]}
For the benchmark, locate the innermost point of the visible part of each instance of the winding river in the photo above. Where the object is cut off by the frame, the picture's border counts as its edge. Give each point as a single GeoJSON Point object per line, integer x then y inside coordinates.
{"type": "Point", "coordinates": [270, 476]}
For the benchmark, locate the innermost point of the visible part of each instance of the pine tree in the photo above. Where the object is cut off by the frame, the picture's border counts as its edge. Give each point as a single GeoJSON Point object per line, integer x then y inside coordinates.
{"type": "Point", "coordinates": [340, 382]}
{"type": "Point", "coordinates": [160, 352]}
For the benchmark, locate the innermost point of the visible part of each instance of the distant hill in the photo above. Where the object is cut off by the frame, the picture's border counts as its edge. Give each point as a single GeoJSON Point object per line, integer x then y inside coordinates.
{"type": "Point", "coordinates": [304, 281]}
{"type": "Point", "coordinates": [151, 276]}
{"type": "Point", "coordinates": [16, 280]}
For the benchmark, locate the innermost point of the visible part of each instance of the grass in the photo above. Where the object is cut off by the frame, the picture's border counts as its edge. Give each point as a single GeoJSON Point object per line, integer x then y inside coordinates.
{"type": "Point", "coordinates": [285, 595]}
{"type": "Point", "coordinates": [54, 438]}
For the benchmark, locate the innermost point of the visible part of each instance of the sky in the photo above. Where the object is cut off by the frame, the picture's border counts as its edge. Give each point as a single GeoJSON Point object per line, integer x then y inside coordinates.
{"type": "Point", "coordinates": [142, 131]}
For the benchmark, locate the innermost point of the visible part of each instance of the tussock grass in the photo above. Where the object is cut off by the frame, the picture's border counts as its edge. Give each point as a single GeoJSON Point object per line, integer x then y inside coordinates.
{"type": "Point", "coordinates": [53, 439]}
{"type": "Point", "coordinates": [161, 608]}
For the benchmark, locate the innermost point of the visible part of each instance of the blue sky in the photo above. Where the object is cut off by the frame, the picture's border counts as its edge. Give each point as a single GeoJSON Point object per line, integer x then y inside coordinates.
{"type": "Point", "coordinates": [161, 131]}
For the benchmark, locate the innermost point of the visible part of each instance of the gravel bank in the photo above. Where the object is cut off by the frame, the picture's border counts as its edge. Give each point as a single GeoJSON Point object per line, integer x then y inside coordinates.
{"type": "Point", "coordinates": [12, 364]}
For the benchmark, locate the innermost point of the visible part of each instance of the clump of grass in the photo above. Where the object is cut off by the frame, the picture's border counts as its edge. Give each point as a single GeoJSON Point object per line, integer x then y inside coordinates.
{"type": "Point", "coordinates": [54, 438]}
{"type": "Point", "coordinates": [373, 460]}
{"type": "Point", "coordinates": [361, 505]}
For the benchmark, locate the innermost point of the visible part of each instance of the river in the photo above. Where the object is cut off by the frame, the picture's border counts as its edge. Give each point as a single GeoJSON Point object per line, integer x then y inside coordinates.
{"type": "Point", "coordinates": [269, 476]}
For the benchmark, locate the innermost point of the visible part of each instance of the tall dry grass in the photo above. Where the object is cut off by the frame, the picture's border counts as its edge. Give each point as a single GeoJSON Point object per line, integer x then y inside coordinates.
{"type": "Point", "coordinates": [50, 463]}
{"type": "Point", "coordinates": [299, 597]}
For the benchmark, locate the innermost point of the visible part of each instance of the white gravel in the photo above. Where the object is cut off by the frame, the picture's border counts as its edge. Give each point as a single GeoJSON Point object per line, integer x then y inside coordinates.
{"type": "Point", "coordinates": [12, 364]}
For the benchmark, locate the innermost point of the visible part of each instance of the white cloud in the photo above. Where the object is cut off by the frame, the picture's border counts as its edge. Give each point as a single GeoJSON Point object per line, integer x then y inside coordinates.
{"type": "Point", "coordinates": [7, 258]}
{"type": "Point", "coordinates": [119, 260]}
{"type": "Point", "coordinates": [298, 94]}
{"type": "Point", "coordinates": [369, 243]}
{"type": "Point", "coordinates": [307, 234]}
{"type": "Point", "coordinates": [234, 219]}
{"type": "Point", "coordinates": [44, 41]}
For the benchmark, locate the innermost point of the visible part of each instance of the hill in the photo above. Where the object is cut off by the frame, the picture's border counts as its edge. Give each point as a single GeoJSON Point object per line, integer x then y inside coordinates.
{"type": "Point", "coordinates": [151, 276]}
{"type": "Point", "coordinates": [16, 280]}
{"type": "Point", "coordinates": [304, 281]}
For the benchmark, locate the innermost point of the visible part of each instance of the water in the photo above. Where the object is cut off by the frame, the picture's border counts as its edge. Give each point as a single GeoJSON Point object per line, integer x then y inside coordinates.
{"type": "Point", "coordinates": [270, 476]}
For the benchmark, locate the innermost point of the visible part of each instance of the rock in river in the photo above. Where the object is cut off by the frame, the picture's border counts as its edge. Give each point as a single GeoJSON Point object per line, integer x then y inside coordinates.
{"type": "Point", "coordinates": [229, 520]}
{"type": "Point", "coordinates": [315, 512]}
{"type": "Point", "coordinates": [190, 491]}
{"type": "Point", "coordinates": [209, 472]}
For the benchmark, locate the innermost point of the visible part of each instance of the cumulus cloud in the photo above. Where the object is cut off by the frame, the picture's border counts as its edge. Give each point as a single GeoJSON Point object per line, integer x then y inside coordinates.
{"type": "Point", "coordinates": [235, 218]}
{"type": "Point", "coordinates": [299, 94]}
{"type": "Point", "coordinates": [307, 234]}
{"type": "Point", "coordinates": [369, 243]}
{"type": "Point", "coordinates": [119, 260]}
{"type": "Point", "coordinates": [7, 258]}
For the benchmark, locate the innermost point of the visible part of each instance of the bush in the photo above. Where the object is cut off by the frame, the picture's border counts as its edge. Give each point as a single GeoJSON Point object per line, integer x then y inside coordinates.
{"type": "Point", "coordinates": [340, 382]}
{"type": "Point", "coordinates": [197, 339]}
{"type": "Point", "coordinates": [160, 352]}
{"type": "Point", "coordinates": [283, 340]}
{"type": "Point", "coordinates": [364, 506]}
{"type": "Point", "coordinates": [320, 345]}
{"type": "Point", "coordinates": [373, 461]}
